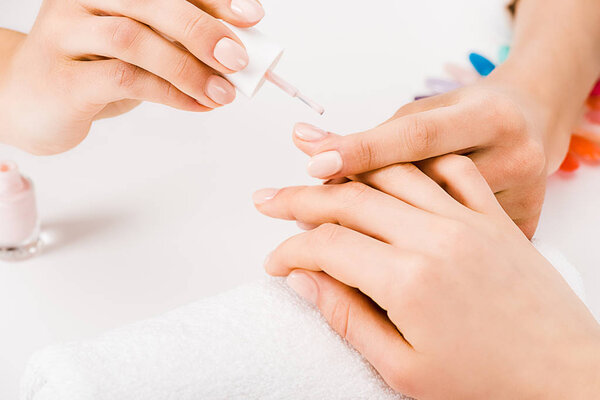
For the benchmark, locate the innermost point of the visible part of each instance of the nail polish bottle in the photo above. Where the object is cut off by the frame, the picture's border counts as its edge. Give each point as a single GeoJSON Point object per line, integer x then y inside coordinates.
{"type": "Point", "coordinates": [263, 56]}
{"type": "Point", "coordinates": [19, 223]}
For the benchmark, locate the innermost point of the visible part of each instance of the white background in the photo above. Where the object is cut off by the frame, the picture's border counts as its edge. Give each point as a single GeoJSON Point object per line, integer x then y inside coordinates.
{"type": "Point", "coordinates": [153, 210]}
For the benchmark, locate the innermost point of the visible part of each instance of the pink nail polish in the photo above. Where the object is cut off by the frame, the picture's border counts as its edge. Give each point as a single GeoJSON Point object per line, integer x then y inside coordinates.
{"type": "Point", "coordinates": [263, 195]}
{"type": "Point", "coordinates": [220, 90]}
{"type": "Point", "coordinates": [309, 133]}
{"type": "Point", "coordinates": [304, 285]}
{"type": "Point", "coordinates": [19, 224]}
{"type": "Point", "coordinates": [267, 259]}
{"type": "Point", "coordinates": [306, 227]}
{"type": "Point", "coordinates": [325, 164]}
{"type": "Point", "coordinates": [248, 10]}
{"type": "Point", "coordinates": [231, 54]}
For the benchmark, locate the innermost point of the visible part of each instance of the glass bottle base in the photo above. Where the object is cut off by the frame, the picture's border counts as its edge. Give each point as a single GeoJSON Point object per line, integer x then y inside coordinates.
{"type": "Point", "coordinates": [22, 252]}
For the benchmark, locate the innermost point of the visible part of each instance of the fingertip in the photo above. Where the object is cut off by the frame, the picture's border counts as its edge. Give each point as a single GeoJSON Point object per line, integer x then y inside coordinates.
{"type": "Point", "coordinates": [264, 195]}
{"type": "Point", "coordinates": [247, 12]}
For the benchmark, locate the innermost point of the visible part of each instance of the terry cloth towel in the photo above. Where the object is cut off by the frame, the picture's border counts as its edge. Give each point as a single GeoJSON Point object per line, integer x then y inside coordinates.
{"type": "Point", "coordinates": [259, 341]}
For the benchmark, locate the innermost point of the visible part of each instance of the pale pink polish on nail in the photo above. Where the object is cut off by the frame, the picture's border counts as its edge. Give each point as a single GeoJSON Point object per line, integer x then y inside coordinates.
{"type": "Point", "coordinates": [305, 226]}
{"type": "Point", "coordinates": [231, 54]}
{"type": "Point", "coordinates": [325, 164]}
{"type": "Point", "coordinates": [263, 195]}
{"type": "Point", "coordinates": [267, 259]}
{"type": "Point", "coordinates": [220, 90]}
{"type": "Point", "coordinates": [248, 10]}
{"type": "Point", "coordinates": [304, 285]}
{"type": "Point", "coordinates": [309, 133]}
{"type": "Point", "coordinates": [19, 224]}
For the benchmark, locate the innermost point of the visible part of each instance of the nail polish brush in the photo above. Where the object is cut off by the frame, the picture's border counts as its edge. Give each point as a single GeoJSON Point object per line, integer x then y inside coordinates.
{"type": "Point", "coordinates": [263, 57]}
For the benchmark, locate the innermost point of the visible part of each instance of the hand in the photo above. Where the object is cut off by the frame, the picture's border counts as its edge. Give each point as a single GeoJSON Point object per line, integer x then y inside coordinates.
{"type": "Point", "coordinates": [513, 139]}
{"type": "Point", "coordinates": [90, 59]}
{"type": "Point", "coordinates": [463, 306]}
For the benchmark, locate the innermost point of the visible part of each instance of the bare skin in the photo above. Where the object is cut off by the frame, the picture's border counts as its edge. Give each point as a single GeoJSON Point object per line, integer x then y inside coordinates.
{"type": "Point", "coordinates": [515, 125]}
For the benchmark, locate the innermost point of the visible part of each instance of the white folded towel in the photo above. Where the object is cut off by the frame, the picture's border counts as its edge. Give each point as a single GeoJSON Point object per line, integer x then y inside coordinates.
{"type": "Point", "coordinates": [259, 341]}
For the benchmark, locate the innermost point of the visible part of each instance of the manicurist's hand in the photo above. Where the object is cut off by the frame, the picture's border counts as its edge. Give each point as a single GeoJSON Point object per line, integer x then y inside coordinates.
{"type": "Point", "coordinates": [89, 59]}
{"type": "Point", "coordinates": [463, 306]}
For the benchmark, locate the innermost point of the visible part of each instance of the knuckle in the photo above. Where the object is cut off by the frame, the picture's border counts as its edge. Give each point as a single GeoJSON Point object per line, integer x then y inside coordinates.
{"type": "Point", "coordinates": [453, 245]}
{"type": "Point", "coordinates": [325, 234]}
{"type": "Point", "coordinates": [125, 34]}
{"type": "Point", "coordinates": [352, 192]}
{"type": "Point", "coordinates": [417, 135]}
{"type": "Point", "coordinates": [502, 110]}
{"type": "Point", "coordinates": [534, 158]}
{"type": "Point", "coordinates": [196, 26]}
{"type": "Point", "coordinates": [124, 75]}
{"type": "Point", "coordinates": [366, 154]}
{"type": "Point", "coordinates": [182, 66]}
{"type": "Point", "coordinates": [461, 165]}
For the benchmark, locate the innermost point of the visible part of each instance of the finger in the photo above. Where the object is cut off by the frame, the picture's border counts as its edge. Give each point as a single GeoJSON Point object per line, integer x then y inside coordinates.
{"type": "Point", "coordinates": [137, 44]}
{"type": "Point", "coordinates": [106, 81]}
{"type": "Point", "coordinates": [358, 320]}
{"type": "Point", "coordinates": [459, 176]}
{"type": "Point", "coordinates": [350, 257]}
{"type": "Point", "coordinates": [308, 137]}
{"type": "Point", "coordinates": [203, 35]}
{"type": "Point", "coordinates": [409, 184]}
{"type": "Point", "coordinates": [352, 204]}
{"type": "Point", "coordinates": [410, 138]}
{"type": "Point", "coordinates": [242, 13]}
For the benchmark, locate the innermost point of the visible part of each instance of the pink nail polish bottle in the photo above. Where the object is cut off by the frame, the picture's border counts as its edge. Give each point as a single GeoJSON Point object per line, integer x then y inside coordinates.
{"type": "Point", "coordinates": [19, 222]}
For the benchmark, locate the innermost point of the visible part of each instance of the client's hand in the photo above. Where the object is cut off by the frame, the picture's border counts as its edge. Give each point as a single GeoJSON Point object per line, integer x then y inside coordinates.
{"type": "Point", "coordinates": [90, 59]}
{"type": "Point", "coordinates": [512, 138]}
{"type": "Point", "coordinates": [463, 306]}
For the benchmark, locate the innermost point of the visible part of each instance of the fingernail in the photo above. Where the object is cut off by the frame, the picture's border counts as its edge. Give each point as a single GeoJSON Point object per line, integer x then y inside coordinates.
{"type": "Point", "coordinates": [267, 259]}
{"type": "Point", "coordinates": [248, 10]}
{"type": "Point", "coordinates": [220, 90]}
{"type": "Point", "coordinates": [306, 227]}
{"type": "Point", "coordinates": [304, 285]}
{"type": "Point", "coordinates": [309, 132]}
{"type": "Point", "coordinates": [263, 195]}
{"type": "Point", "coordinates": [325, 164]}
{"type": "Point", "coordinates": [231, 54]}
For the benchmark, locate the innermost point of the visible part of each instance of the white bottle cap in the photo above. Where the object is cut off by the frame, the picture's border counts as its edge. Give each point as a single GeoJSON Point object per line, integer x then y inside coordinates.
{"type": "Point", "coordinates": [263, 56]}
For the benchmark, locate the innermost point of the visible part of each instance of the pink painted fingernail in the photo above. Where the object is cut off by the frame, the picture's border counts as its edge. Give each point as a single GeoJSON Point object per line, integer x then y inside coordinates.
{"type": "Point", "coordinates": [231, 54]}
{"type": "Point", "coordinates": [309, 132]}
{"type": "Point", "coordinates": [220, 90]}
{"type": "Point", "coordinates": [248, 10]}
{"type": "Point", "coordinates": [304, 285]}
{"type": "Point", "coordinates": [325, 164]}
{"type": "Point", "coordinates": [306, 227]}
{"type": "Point", "coordinates": [263, 195]}
{"type": "Point", "coordinates": [267, 259]}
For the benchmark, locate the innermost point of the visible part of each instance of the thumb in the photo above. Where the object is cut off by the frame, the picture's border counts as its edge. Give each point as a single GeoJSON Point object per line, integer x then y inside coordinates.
{"type": "Point", "coordinates": [361, 322]}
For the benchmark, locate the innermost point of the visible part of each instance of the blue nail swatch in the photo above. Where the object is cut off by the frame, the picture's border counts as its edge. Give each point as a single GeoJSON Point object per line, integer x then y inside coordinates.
{"type": "Point", "coordinates": [503, 54]}
{"type": "Point", "coordinates": [482, 65]}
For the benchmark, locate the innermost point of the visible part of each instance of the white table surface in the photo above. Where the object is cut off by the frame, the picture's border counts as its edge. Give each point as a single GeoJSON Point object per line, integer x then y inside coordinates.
{"type": "Point", "coordinates": [153, 210]}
